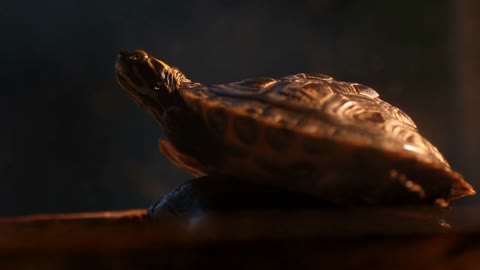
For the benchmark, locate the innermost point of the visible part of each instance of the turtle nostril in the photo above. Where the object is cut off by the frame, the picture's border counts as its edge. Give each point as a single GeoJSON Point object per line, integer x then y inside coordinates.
{"type": "Point", "coordinates": [137, 55]}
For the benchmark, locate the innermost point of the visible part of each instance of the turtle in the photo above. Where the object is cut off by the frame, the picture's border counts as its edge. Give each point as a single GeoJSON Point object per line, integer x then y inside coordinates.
{"type": "Point", "coordinates": [305, 132]}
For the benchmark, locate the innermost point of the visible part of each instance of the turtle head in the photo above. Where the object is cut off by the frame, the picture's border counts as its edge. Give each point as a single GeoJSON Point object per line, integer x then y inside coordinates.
{"type": "Point", "coordinates": [151, 82]}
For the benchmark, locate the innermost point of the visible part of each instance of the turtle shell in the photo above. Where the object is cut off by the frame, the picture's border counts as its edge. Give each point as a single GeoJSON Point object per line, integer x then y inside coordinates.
{"type": "Point", "coordinates": [313, 133]}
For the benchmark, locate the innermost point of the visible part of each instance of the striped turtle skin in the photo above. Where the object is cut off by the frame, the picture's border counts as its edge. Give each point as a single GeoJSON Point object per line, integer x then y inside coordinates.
{"type": "Point", "coordinates": [304, 132]}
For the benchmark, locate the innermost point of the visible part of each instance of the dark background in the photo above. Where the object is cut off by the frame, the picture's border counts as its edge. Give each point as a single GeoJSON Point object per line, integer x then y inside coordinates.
{"type": "Point", "coordinates": [72, 140]}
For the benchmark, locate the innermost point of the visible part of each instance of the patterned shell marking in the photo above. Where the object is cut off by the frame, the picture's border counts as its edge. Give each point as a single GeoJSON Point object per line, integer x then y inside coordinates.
{"type": "Point", "coordinates": [312, 106]}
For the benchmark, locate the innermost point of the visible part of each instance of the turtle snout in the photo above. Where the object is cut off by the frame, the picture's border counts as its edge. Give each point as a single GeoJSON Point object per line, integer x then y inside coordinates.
{"type": "Point", "coordinates": [129, 61]}
{"type": "Point", "coordinates": [132, 56]}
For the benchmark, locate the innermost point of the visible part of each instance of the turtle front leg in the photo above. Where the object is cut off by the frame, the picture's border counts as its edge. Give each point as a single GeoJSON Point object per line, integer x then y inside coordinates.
{"type": "Point", "coordinates": [181, 160]}
{"type": "Point", "coordinates": [186, 142]}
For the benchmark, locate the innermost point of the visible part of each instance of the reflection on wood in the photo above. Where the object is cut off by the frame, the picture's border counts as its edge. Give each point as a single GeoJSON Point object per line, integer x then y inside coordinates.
{"type": "Point", "coordinates": [86, 216]}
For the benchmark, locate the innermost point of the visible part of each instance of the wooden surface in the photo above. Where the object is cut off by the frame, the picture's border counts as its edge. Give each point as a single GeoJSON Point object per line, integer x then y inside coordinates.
{"type": "Point", "coordinates": [313, 239]}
